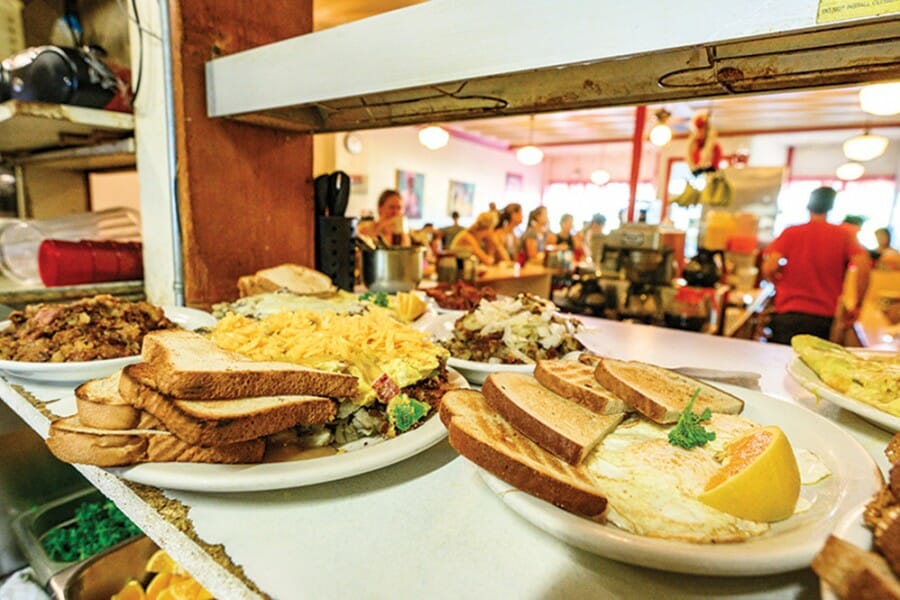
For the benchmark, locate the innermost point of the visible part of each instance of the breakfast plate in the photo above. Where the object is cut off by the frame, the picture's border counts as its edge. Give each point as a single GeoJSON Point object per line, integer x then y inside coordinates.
{"type": "Point", "coordinates": [809, 380]}
{"type": "Point", "coordinates": [68, 372]}
{"type": "Point", "coordinates": [201, 477]}
{"type": "Point", "coordinates": [787, 546]}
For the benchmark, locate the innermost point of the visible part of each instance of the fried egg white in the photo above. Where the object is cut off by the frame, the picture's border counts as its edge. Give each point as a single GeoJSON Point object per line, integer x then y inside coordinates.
{"type": "Point", "coordinates": [652, 486]}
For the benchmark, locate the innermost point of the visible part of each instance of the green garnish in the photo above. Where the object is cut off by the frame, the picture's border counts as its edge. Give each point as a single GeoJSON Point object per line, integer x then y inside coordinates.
{"type": "Point", "coordinates": [688, 432]}
{"type": "Point", "coordinates": [403, 412]}
{"type": "Point", "coordinates": [377, 298]}
{"type": "Point", "coordinates": [97, 526]}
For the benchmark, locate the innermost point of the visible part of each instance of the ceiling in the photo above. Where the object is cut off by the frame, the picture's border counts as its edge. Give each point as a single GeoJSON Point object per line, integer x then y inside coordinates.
{"type": "Point", "coordinates": [820, 116]}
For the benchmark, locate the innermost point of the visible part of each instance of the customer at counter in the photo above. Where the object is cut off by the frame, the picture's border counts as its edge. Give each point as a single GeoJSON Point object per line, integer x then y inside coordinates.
{"type": "Point", "coordinates": [807, 263]}
{"type": "Point", "coordinates": [886, 257]}
{"type": "Point", "coordinates": [389, 225]}
{"type": "Point", "coordinates": [593, 237]}
{"type": "Point", "coordinates": [449, 232]}
{"type": "Point", "coordinates": [505, 238]}
{"type": "Point", "coordinates": [477, 239]}
{"type": "Point", "coordinates": [567, 239]}
{"type": "Point", "coordinates": [537, 236]}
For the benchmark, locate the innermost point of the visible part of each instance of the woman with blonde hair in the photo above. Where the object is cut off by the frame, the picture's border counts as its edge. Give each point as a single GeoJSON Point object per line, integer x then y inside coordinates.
{"type": "Point", "coordinates": [477, 239]}
{"type": "Point", "coordinates": [505, 239]}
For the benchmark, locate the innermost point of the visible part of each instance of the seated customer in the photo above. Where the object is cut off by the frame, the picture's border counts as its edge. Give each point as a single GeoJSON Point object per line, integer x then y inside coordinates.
{"type": "Point", "coordinates": [537, 236]}
{"type": "Point", "coordinates": [477, 239]}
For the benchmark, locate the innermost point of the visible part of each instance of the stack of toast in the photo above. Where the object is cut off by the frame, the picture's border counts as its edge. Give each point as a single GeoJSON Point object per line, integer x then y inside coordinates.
{"type": "Point", "coordinates": [852, 572]}
{"type": "Point", "coordinates": [190, 401]}
{"type": "Point", "coordinates": [534, 432]}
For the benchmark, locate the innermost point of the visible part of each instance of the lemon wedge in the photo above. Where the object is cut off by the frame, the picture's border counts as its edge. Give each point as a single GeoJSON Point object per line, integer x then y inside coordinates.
{"type": "Point", "coordinates": [759, 481]}
{"type": "Point", "coordinates": [410, 306]}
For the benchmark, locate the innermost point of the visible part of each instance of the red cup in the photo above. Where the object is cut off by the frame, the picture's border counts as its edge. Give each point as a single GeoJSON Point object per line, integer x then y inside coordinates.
{"type": "Point", "coordinates": [62, 262]}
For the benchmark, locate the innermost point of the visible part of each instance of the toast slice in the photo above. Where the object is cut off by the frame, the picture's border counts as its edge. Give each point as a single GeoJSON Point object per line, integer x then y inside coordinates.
{"type": "Point", "coordinates": [73, 442]}
{"type": "Point", "coordinates": [485, 438]}
{"type": "Point", "coordinates": [100, 405]}
{"type": "Point", "coordinates": [295, 278]}
{"type": "Point", "coordinates": [556, 424]}
{"type": "Point", "coordinates": [216, 422]}
{"type": "Point", "coordinates": [661, 394]}
{"type": "Point", "coordinates": [852, 572]}
{"type": "Point", "coordinates": [187, 365]}
{"type": "Point", "coordinates": [575, 380]}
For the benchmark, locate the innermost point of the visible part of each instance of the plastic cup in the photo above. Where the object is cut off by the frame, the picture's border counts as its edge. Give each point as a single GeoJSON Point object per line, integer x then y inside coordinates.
{"type": "Point", "coordinates": [62, 262]}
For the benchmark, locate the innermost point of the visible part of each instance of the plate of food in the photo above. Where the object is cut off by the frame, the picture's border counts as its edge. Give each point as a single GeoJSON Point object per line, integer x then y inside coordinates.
{"type": "Point", "coordinates": [50, 343]}
{"type": "Point", "coordinates": [635, 495]}
{"type": "Point", "coordinates": [865, 382]}
{"type": "Point", "coordinates": [505, 335]}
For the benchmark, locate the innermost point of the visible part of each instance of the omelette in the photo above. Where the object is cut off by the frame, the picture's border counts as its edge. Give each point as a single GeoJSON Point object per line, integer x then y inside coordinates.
{"type": "Point", "coordinates": [872, 379]}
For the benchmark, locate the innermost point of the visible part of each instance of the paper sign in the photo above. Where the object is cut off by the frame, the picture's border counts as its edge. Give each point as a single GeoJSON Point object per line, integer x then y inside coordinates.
{"type": "Point", "coordinates": [840, 10]}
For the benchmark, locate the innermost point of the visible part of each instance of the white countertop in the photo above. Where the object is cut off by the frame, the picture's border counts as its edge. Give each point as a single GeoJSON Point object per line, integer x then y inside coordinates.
{"type": "Point", "coordinates": [430, 527]}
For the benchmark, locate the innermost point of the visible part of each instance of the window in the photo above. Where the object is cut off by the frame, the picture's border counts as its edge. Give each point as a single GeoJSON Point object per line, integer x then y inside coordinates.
{"type": "Point", "coordinates": [583, 200]}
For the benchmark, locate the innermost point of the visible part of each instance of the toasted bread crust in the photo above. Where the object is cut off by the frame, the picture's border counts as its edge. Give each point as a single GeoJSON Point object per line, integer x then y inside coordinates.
{"type": "Point", "coordinates": [483, 437]}
{"type": "Point", "coordinates": [221, 428]}
{"type": "Point", "coordinates": [104, 390]}
{"type": "Point", "coordinates": [213, 373]}
{"type": "Point", "coordinates": [171, 449]}
{"type": "Point", "coordinates": [635, 383]}
{"type": "Point", "coordinates": [575, 380]}
{"type": "Point", "coordinates": [556, 424]}
{"type": "Point", "coordinates": [107, 416]}
{"type": "Point", "coordinates": [841, 565]}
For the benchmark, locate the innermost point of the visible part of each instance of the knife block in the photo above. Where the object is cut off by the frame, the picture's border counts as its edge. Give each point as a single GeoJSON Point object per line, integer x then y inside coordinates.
{"type": "Point", "coordinates": [335, 249]}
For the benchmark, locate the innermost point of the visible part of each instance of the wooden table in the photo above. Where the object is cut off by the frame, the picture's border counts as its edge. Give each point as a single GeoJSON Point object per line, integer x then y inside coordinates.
{"type": "Point", "coordinates": [509, 280]}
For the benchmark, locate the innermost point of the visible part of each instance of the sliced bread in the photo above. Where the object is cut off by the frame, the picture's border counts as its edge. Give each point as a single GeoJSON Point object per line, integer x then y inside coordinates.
{"type": "Point", "coordinates": [485, 438]}
{"type": "Point", "coordinates": [100, 405]}
{"type": "Point", "coordinates": [217, 422]}
{"type": "Point", "coordinates": [556, 424]}
{"type": "Point", "coordinates": [661, 394]}
{"type": "Point", "coordinates": [187, 365]}
{"type": "Point", "coordinates": [73, 442]}
{"type": "Point", "coordinates": [294, 278]}
{"type": "Point", "coordinates": [852, 572]}
{"type": "Point", "coordinates": [575, 380]}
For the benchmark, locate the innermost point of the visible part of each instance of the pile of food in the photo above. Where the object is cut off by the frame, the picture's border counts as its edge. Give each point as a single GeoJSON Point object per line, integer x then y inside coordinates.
{"type": "Point", "coordinates": [96, 526]}
{"type": "Point", "coordinates": [853, 572]}
{"type": "Point", "coordinates": [460, 295]}
{"type": "Point", "coordinates": [873, 379]}
{"type": "Point", "coordinates": [520, 330]}
{"type": "Point", "coordinates": [94, 328]}
{"type": "Point", "coordinates": [166, 580]}
{"type": "Point", "coordinates": [646, 449]}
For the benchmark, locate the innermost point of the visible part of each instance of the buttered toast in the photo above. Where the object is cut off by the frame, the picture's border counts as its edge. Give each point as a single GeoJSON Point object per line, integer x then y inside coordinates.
{"type": "Point", "coordinates": [575, 380]}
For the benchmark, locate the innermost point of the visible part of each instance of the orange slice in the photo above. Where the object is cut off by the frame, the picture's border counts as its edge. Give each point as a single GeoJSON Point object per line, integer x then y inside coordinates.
{"type": "Point", "coordinates": [759, 480]}
{"type": "Point", "coordinates": [161, 562]}
{"type": "Point", "coordinates": [131, 591]}
{"type": "Point", "coordinates": [159, 582]}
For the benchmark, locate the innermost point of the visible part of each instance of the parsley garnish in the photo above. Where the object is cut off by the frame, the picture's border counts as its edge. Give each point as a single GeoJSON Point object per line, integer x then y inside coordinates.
{"type": "Point", "coordinates": [97, 526]}
{"type": "Point", "coordinates": [688, 432]}
{"type": "Point", "coordinates": [378, 298]}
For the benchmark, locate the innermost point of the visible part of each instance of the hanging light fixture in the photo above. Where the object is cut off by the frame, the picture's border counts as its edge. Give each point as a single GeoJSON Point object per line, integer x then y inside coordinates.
{"type": "Point", "coordinates": [661, 133]}
{"type": "Point", "coordinates": [865, 147]}
{"type": "Point", "coordinates": [530, 155]}
{"type": "Point", "coordinates": [850, 171]}
{"type": "Point", "coordinates": [600, 177]}
{"type": "Point", "coordinates": [434, 137]}
{"type": "Point", "coordinates": [881, 99]}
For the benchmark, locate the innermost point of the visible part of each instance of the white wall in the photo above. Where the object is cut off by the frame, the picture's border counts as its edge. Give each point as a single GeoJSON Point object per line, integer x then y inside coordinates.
{"type": "Point", "coordinates": [386, 150]}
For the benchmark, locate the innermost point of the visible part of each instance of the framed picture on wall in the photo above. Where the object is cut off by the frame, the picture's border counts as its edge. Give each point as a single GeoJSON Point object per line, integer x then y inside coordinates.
{"type": "Point", "coordinates": [411, 186]}
{"type": "Point", "coordinates": [461, 198]}
{"type": "Point", "coordinates": [514, 182]}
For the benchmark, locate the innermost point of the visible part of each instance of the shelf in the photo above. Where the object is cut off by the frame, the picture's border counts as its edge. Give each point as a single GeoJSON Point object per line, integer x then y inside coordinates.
{"type": "Point", "coordinates": [28, 127]}
{"type": "Point", "coordinates": [108, 155]}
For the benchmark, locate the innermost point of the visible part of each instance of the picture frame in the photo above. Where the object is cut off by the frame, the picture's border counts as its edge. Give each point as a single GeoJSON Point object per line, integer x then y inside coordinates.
{"type": "Point", "coordinates": [461, 198]}
{"type": "Point", "coordinates": [411, 186]}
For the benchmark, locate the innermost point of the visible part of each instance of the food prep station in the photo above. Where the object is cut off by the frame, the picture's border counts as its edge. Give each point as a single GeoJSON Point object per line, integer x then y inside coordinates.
{"type": "Point", "coordinates": [449, 532]}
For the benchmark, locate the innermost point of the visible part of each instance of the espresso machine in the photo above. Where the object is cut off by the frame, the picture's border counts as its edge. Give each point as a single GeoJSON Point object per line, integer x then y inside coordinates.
{"type": "Point", "coordinates": [635, 253]}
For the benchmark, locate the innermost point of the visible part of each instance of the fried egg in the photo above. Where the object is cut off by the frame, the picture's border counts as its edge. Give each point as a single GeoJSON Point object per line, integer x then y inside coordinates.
{"type": "Point", "coordinates": [652, 486]}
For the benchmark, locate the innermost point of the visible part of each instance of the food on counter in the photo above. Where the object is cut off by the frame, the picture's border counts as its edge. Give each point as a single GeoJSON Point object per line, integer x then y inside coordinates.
{"type": "Point", "coordinates": [634, 478]}
{"type": "Point", "coordinates": [292, 278]}
{"type": "Point", "coordinates": [853, 572]}
{"type": "Point", "coordinates": [94, 328]}
{"type": "Point", "coordinates": [562, 426]}
{"type": "Point", "coordinates": [575, 380]}
{"type": "Point", "coordinates": [520, 330]}
{"type": "Point", "coordinates": [873, 379]}
{"type": "Point", "coordinates": [260, 306]}
{"type": "Point", "coordinates": [96, 526]}
{"type": "Point", "coordinates": [460, 295]}
{"type": "Point", "coordinates": [661, 394]}
{"type": "Point", "coordinates": [169, 582]}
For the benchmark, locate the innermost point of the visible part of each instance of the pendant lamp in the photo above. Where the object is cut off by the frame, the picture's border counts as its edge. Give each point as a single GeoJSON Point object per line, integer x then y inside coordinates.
{"type": "Point", "coordinates": [661, 134]}
{"type": "Point", "coordinates": [865, 147]}
{"type": "Point", "coordinates": [530, 155]}
{"type": "Point", "coordinates": [850, 171]}
{"type": "Point", "coordinates": [434, 137]}
{"type": "Point", "coordinates": [882, 99]}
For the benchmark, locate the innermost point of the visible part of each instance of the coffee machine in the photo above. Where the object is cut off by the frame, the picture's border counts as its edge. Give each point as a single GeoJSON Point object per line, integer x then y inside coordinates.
{"type": "Point", "coordinates": [635, 252]}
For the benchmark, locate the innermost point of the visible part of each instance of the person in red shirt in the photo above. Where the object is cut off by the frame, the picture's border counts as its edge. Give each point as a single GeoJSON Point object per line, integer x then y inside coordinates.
{"type": "Point", "coordinates": [807, 264]}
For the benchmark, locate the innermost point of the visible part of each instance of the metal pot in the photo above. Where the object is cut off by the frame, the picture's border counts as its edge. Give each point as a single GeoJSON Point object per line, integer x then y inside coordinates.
{"type": "Point", "coordinates": [393, 269]}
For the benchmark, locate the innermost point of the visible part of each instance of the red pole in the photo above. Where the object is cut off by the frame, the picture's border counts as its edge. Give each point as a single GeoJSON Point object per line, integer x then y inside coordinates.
{"type": "Point", "coordinates": [637, 141]}
{"type": "Point", "coordinates": [664, 196]}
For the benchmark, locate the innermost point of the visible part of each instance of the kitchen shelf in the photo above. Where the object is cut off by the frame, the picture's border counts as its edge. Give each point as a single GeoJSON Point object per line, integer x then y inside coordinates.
{"type": "Point", "coordinates": [108, 155]}
{"type": "Point", "coordinates": [28, 127]}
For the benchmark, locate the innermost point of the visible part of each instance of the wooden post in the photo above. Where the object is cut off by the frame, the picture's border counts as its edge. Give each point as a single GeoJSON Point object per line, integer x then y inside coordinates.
{"type": "Point", "coordinates": [245, 192]}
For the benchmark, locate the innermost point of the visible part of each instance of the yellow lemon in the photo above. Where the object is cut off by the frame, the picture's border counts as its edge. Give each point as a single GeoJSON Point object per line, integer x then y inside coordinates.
{"type": "Point", "coordinates": [759, 480]}
{"type": "Point", "coordinates": [131, 591]}
{"type": "Point", "coordinates": [410, 306]}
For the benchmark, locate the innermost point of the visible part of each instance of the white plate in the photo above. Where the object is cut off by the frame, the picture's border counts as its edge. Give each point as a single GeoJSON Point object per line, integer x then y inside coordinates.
{"type": "Point", "coordinates": [808, 379]}
{"type": "Point", "coordinates": [850, 528]}
{"type": "Point", "coordinates": [789, 545]}
{"type": "Point", "coordinates": [281, 475]}
{"type": "Point", "coordinates": [70, 372]}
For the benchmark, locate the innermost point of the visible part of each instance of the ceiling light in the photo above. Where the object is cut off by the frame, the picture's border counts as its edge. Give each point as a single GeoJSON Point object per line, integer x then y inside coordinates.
{"type": "Point", "coordinates": [434, 137]}
{"type": "Point", "coordinates": [881, 99]}
{"type": "Point", "coordinates": [530, 154]}
{"type": "Point", "coordinates": [850, 171]}
{"type": "Point", "coordinates": [865, 147]}
{"type": "Point", "coordinates": [661, 134]}
{"type": "Point", "coordinates": [600, 177]}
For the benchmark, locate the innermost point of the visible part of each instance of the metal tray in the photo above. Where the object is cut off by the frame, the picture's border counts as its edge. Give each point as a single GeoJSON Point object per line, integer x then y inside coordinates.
{"type": "Point", "coordinates": [103, 575]}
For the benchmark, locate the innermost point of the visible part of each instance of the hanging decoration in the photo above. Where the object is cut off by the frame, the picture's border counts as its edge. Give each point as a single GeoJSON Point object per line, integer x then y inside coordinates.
{"type": "Point", "coordinates": [703, 149]}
